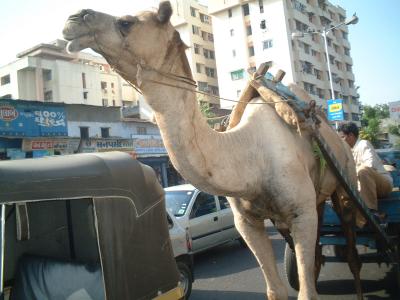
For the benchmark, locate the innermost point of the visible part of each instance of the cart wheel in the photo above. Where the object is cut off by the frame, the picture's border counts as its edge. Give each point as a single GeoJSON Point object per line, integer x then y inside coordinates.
{"type": "Point", "coordinates": [291, 268]}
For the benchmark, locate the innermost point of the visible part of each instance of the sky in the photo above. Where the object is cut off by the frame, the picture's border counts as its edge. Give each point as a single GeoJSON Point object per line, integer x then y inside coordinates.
{"type": "Point", "coordinates": [375, 39]}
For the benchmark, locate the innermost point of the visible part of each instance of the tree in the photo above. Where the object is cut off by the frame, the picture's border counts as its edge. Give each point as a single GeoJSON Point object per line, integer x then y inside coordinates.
{"type": "Point", "coordinates": [370, 121]}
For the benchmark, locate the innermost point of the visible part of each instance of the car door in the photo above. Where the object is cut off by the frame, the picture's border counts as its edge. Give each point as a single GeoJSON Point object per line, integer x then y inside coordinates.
{"type": "Point", "coordinates": [204, 222]}
{"type": "Point", "coordinates": [226, 222]}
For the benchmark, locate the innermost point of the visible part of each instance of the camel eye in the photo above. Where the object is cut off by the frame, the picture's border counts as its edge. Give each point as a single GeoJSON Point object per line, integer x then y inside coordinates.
{"type": "Point", "coordinates": [125, 24]}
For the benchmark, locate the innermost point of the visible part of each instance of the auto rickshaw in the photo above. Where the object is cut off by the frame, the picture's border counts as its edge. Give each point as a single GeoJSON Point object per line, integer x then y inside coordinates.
{"type": "Point", "coordinates": [85, 226]}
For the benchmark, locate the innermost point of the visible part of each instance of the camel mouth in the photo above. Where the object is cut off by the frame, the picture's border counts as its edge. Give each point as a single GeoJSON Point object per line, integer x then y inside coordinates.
{"type": "Point", "coordinates": [76, 32]}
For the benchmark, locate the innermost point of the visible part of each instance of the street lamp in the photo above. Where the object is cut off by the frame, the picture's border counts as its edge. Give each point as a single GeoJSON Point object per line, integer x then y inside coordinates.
{"type": "Point", "coordinates": [324, 32]}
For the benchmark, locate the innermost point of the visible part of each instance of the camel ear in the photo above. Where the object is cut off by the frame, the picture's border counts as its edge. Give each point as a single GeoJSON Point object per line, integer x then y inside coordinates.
{"type": "Point", "coordinates": [164, 12]}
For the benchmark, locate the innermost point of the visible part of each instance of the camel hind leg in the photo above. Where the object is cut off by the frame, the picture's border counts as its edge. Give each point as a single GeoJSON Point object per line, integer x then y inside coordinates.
{"type": "Point", "coordinates": [255, 236]}
{"type": "Point", "coordinates": [347, 213]}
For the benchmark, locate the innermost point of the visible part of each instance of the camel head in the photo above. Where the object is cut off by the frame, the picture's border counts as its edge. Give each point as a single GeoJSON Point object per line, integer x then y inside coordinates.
{"type": "Point", "coordinates": [127, 42]}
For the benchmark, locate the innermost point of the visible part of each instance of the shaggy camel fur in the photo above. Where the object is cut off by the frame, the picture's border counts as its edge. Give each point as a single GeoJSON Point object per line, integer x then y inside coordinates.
{"type": "Point", "coordinates": [264, 167]}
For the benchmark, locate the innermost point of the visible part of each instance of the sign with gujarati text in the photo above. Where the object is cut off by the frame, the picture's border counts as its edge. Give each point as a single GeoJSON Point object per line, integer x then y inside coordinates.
{"type": "Point", "coordinates": [22, 118]}
{"type": "Point", "coordinates": [148, 144]}
{"type": "Point", "coordinates": [335, 110]}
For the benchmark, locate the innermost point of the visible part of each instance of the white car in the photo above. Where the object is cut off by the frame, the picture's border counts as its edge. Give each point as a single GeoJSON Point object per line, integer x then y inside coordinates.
{"type": "Point", "coordinates": [181, 247]}
{"type": "Point", "coordinates": [207, 218]}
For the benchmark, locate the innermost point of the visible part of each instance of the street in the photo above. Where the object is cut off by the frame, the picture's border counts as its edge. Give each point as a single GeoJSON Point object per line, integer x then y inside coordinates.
{"type": "Point", "coordinates": [231, 272]}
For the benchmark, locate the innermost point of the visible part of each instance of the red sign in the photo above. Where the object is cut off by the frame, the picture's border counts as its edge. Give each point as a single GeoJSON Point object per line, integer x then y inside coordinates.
{"type": "Point", "coordinates": [42, 145]}
{"type": "Point", "coordinates": [8, 113]}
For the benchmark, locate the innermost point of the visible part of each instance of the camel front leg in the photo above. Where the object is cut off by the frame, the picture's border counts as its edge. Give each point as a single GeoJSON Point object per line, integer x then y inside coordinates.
{"type": "Point", "coordinates": [256, 238]}
{"type": "Point", "coordinates": [304, 232]}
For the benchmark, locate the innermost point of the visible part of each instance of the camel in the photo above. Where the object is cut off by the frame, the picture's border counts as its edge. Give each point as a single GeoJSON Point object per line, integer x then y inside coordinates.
{"type": "Point", "coordinates": [265, 168]}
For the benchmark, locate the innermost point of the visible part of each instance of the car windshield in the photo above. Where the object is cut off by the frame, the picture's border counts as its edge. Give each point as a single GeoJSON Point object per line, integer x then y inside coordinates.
{"type": "Point", "coordinates": [178, 201]}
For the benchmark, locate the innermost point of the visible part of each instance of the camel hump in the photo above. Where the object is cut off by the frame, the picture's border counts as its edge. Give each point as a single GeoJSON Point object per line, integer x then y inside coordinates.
{"type": "Point", "coordinates": [292, 104]}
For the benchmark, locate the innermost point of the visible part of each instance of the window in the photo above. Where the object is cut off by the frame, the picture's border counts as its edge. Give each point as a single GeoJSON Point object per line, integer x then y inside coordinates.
{"type": "Point", "coordinates": [202, 86]}
{"type": "Point", "coordinates": [204, 18]}
{"type": "Point", "coordinates": [299, 6]}
{"type": "Point", "coordinates": [5, 79]}
{"type": "Point", "coordinates": [230, 13]}
{"type": "Point", "coordinates": [210, 37]}
{"type": "Point", "coordinates": [47, 76]}
{"type": "Point", "coordinates": [214, 90]}
{"type": "Point", "coordinates": [346, 51]}
{"type": "Point", "coordinates": [223, 202]}
{"type": "Point", "coordinates": [198, 68]}
{"type": "Point", "coordinates": [310, 88]}
{"type": "Point", "coordinates": [48, 96]}
{"type": "Point", "coordinates": [267, 44]}
{"type": "Point", "coordinates": [318, 74]}
{"type": "Point", "coordinates": [103, 85]}
{"type": "Point", "coordinates": [338, 65]}
{"type": "Point", "coordinates": [346, 116]}
{"type": "Point", "coordinates": [351, 84]}
{"type": "Point", "coordinates": [263, 25]}
{"type": "Point", "coordinates": [261, 5]}
{"type": "Point", "coordinates": [301, 26]}
{"type": "Point", "coordinates": [306, 67]}
{"type": "Point", "coordinates": [306, 48]}
{"type": "Point", "coordinates": [210, 72]}
{"type": "Point", "coordinates": [206, 53]}
{"type": "Point", "coordinates": [212, 54]}
{"type": "Point", "coordinates": [238, 74]}
{"type": "Point", "coordinates": [196, 48]}
{"type": "Point", "coordinates": [341, 18]}
{"type": "Point", "coordinates": [245, 9]}
{"type": "Point", "coordinates": [193, 11]}
{"type": "Point", "coordinates": [195, 30]}
{"type": "Point", "coordinates": [104, 102]}
{"type": "Point", "coordinates": [203, 205]}
{"type": "Point", "coordinates": [112, 85]}
{"type": "Point", "coordinates": [84, 133]}
{"type": "Point", "coordinates": [355, 117]}
{"type": "Point", "coordinates": [141, 130]}
{"type": "Point", "coordinates": [251, 51]}
{"type": "Point", "coordinates": [314, 53]}
{"type": "Point", "coordinates": [105, 132]}
{"type": "Point", "coordinates": [113, 101]}
{"type": "Point", "coordinates": [248, 30]}
{"type": "Point", "coordinates": [85, 95]}
{"type": "Point", "coordinates": [84, 80]}
{"type": "Point", "coordinates": [336, 47]}
{"type": "Point", "coordinates": [320, 93]}
{"type": "Point", "coordinates": [329, 41]}
{"type": "Point", "coordinates": [349, 68]}
{"type": "Point", "coordinates": [345, 35]}
{"type": "Point", "coordinates": [234, 53]}
{"type": "Point", "coordinates": [232, 32]}
{"type": "Point", "coordinates": [238, 92]}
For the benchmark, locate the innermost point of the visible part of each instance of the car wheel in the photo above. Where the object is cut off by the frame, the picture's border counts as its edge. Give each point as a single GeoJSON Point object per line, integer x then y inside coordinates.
{"type": "Point", "coordinates": [185, 278]}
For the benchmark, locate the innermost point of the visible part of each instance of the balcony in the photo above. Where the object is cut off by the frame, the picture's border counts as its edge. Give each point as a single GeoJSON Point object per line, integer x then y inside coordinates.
{"type": "Point", "coordinates": [131, 112]}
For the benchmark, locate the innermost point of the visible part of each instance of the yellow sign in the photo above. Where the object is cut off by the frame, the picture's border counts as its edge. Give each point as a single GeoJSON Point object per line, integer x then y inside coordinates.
{"type": "Point", "coordinates": [335, 107]}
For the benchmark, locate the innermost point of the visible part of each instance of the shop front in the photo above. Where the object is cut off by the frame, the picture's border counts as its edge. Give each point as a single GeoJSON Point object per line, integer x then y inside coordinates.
{"type": "Point", "coordinates": [29, 119]}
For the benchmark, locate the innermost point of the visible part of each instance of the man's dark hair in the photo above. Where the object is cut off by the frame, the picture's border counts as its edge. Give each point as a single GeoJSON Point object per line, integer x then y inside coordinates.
{"type": "Point", "coordinates": [348, 128]}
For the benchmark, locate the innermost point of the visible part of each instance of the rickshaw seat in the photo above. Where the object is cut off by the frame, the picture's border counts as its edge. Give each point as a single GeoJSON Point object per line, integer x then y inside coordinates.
{"type": "Point", "coordinates": [46, 278]}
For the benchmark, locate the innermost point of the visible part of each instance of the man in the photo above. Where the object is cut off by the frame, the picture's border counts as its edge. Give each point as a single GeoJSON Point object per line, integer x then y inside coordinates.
{"type": "Point", "coordinates": [373, 180]}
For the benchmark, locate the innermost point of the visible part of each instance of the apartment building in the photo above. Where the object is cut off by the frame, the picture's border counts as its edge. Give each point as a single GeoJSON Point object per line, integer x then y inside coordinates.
{"type": "Point", "coordinates": [46, 72]}
{"type": "Point", "coordinates": [191, 20]}
{"type": "Point", "coordinates": [248, 33]}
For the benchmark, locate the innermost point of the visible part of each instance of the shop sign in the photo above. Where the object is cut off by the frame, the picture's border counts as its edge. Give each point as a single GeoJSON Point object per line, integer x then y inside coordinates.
{"type": "Point", "coordinates": [50, 144]}
{"type": "Point", "coordinates": [148, 144]}
{"type": "Point", "coordinates": [21, 118]}
{"type": "Point", "coordinates": [108, 145]}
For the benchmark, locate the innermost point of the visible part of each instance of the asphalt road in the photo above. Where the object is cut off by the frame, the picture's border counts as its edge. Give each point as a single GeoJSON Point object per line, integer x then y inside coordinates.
{"type": "Point", "coordinates": [231, 272]}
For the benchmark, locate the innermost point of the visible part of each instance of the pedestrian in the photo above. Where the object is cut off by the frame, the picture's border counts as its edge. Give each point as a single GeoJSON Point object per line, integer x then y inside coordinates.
{"type": "Point", "coordinates": [373, 180]}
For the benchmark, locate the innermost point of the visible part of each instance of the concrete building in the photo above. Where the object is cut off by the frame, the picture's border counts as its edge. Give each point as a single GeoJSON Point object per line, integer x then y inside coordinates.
{"type": "Point", "coordinates": [48, 73]}
{"type": "Point", "coordinates": [193, 23]}
{"type": "Point", "coordinates": [248, 33]}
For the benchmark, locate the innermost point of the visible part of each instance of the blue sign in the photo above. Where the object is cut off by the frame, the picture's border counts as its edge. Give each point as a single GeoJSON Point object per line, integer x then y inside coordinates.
{"type": "Point", "coordinates": [335, 110]}
{"type": "Point", "coordinates": [24, 118]}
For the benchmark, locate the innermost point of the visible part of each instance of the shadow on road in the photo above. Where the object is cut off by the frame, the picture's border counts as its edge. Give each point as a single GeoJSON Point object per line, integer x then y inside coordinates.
{"type": "Point", "coordinates": [228, 295]}
{"type": "Point", "coordinates": [346, 287]}
{"type": "Point", "coordinates": [224, 258]}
